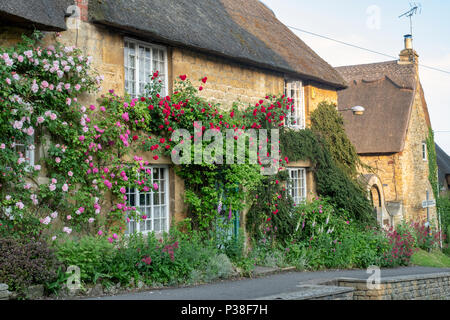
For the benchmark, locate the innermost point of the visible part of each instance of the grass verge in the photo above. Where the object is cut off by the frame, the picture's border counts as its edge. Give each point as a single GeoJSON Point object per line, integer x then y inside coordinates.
{"type": "Point", "coordinates": [431, 259]}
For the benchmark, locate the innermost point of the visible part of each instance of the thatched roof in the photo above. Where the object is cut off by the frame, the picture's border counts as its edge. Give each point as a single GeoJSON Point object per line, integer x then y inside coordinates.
{"type": "Point", "coordinates": [443, 162]}
{"type": "Point", "coordinates": [40, 14]}
{"type": "Point", "coordinates": [243, 30]}
{"type": "Point", "coordinates": [386, 90]}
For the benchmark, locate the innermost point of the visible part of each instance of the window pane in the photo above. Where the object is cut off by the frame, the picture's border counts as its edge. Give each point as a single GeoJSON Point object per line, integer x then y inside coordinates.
{"type": "Point", "coordinates": [157, 225]}
{"type": "Point", "coordinates": [156, 212]}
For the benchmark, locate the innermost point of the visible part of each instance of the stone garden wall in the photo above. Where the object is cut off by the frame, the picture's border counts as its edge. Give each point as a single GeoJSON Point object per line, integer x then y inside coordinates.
{"type": "Point", "coordinates": [418, 287]}
{"type": "Point", "coordinates": [4, 293]}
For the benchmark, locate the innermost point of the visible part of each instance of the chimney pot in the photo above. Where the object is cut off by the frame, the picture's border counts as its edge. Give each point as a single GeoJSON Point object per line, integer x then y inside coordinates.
{"type": "Point", "coordinates": [408, 41]}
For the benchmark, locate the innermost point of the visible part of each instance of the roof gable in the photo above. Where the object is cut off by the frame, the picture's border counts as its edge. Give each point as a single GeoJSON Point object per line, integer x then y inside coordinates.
{"type": "Point", "coordinates": [386, 90]}
{"type": "Point", "coordinates": [244, 30]}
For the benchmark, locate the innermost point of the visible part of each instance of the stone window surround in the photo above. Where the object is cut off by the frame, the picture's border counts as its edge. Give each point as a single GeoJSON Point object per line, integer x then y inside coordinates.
{"type": "Point", "coordinates": [147, 45]}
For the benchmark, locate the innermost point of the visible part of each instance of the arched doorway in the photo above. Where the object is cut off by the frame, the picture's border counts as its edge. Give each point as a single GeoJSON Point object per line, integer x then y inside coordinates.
{"type": "Point", "coordinates": [375, 196]}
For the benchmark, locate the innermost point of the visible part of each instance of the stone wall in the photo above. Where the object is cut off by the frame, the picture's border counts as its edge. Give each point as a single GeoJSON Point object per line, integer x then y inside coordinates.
{"type": "Point", "coordinates": [228, 82]}
{"type": "Point", "coordinates": [314, 292]}
{"type": "Point", "coordinates": [415, 170]}
{"type": "Point", "coordinates": [405, 174]}
{"type": "Point", "coordinates": [4, 293]}
{"type": "Point", "coordinates": [418, 287]}
{"type": "Point", "coordinates": [314, 95]}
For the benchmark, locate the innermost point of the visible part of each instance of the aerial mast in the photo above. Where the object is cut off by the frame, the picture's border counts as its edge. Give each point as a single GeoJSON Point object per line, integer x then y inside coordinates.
{"type": "Point", "coordinates": [415, 9]}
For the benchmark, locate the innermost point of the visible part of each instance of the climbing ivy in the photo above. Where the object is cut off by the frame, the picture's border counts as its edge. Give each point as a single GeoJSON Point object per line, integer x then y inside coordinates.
{"type": "Point", "coordinates": [328, 123]}
{"type": "Point", "coordinates": [331, 180]}
{"type": "Point", "coordinates": [432, 164]}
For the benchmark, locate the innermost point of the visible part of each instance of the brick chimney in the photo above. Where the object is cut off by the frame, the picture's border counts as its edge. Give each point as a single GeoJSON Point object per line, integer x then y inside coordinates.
{"type": "Point", "coordinates": [408, 55]}
{"type": "Point", "coordinates": [83, 5]}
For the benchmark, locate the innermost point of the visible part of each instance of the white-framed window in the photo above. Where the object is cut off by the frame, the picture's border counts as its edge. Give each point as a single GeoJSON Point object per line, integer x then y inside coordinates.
{"type": "Point", "coordinates": [141, 61]}
{"type": "Point", "coordinates": [297, 184]}
{"type": "Point", "coordinates": [25, 151]}
{"type": "Point", "coordinates": [295, 118]}
{"type": "Point", "coordinates": [424, 151]}
{"type": "Point", "coordinates": [152, 204]}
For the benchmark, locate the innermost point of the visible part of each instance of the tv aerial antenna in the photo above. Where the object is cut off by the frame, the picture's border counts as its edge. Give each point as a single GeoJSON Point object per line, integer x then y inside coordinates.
{"type": "Point", "coordinates": [415, 9]}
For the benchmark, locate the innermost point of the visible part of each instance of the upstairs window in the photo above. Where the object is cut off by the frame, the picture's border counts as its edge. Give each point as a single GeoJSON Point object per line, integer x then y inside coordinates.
{"type": "Point", "coordinates": [141, 61]}
{"type": "Point", "coordinates": [295, 117]}
{"type": "Point", "coordinates": [424, 152]}
{"type": "Point", "coordinates": [297, 184]}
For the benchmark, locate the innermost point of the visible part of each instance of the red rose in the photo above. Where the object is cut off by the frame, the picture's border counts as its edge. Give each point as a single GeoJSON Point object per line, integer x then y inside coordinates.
{"type": "Point", "coordinates": [204, 79]}
{"type": "Point", "coordinates": [156, 157]}
{"type": "Point", "coordinates": [200, 89]}
{"type": "Point", "coordinates": [183, 77]}
{"type": "Point", "coordinates": [142, 99]}
{"type": "Point", "coordinates": [162, 140]}
{"type": "Point", "coordinates": [135, 138]}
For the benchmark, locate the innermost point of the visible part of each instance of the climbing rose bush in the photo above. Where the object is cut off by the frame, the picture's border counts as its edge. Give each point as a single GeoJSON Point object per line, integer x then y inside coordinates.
{"type": "Point", "coordinates": [38, 100]}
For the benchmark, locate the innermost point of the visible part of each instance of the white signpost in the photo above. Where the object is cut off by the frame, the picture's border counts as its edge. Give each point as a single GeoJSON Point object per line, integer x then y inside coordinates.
{"type": "Point", "coordinates": [428, 204]}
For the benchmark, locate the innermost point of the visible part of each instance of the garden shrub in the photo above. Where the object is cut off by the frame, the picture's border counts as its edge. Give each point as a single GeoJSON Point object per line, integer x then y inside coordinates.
{"type": "Point", "coordinates": [331, 181]}
{"type": "Point", "coordinates": [219, 267]}
{"type": "Point", "coordinates": [172, 259]}
{"type": "Point", "coordinates": [93, 255]}
{"type": "Point", "coordinates": [24, 263]}
{"type": "Point", "coordinates": [319, 216]}
{"type": "Point", "coordinates": [402, 245]}
{"type": "Point", "coordinates": [426, 239]}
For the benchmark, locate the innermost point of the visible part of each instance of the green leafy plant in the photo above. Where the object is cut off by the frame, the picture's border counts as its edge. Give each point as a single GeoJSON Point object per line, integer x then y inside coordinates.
{"type": "Point", "coordinates": [25, 263]}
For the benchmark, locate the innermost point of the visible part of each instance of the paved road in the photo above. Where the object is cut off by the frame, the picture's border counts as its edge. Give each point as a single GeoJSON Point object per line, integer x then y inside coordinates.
{"type": "Point", "coordinates": [262, 287]}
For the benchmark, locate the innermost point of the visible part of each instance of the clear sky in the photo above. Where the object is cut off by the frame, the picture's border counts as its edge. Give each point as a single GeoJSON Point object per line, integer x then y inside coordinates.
{"type": "Point", "coordinates": [375, 25]}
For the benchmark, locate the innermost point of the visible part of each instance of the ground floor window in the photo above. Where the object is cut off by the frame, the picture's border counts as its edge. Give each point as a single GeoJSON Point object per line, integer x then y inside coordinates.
{"type": "Point", "coordinates": [297, 184]}
{"type": "Point", "coordinates": [26, 151]}
{"type": "Point", "coordinates": [154, 204]}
